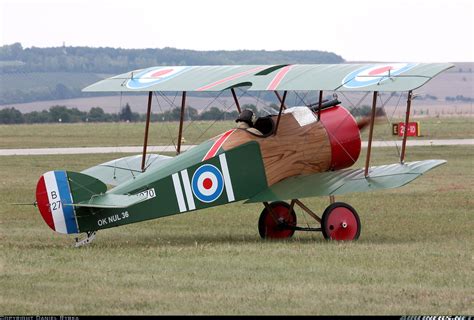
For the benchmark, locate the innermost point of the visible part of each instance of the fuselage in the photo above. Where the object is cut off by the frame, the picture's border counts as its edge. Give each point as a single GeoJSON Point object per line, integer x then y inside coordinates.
{"type": "Point", "coordinates": [303, 145]}
{"type": "Point", "coordinates": [233, 166]}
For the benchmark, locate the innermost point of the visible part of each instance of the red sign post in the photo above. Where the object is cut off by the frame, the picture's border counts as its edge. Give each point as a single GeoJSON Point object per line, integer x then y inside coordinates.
{"type": "Point", "coordinates": [413, 129]}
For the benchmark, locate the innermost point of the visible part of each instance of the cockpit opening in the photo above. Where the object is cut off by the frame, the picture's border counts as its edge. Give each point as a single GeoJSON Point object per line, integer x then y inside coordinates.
{"type": "Point", "coordinates": [261, 126]}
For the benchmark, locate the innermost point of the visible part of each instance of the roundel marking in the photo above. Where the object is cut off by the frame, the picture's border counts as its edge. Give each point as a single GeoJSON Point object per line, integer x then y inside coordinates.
{"type": "Point", "coordinates": [207, 183]}
{"type": "Point", "coordinates": [370, 75]}
{"type": "Point", "coordinates": [152, 76]}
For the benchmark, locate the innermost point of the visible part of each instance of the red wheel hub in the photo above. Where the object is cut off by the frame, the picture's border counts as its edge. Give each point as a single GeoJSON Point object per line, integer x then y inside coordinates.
{"type": "Point", "coordinates": [274, 224]}
{"type": "Point", "coordinates": [341, 222]}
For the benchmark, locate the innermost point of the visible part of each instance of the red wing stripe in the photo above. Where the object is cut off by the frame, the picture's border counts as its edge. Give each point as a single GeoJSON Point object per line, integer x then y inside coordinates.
{"type": "Point", "coordinates": [233, 77]}
{"type": "Point", "coordinates": [217, 145]}
{"type": "Point", "coordinates": [279, 76]}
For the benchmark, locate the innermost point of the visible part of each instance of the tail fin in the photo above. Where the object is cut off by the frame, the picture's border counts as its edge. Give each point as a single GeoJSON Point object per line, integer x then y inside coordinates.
{"type": "Point", "coordinates": [56, 191]}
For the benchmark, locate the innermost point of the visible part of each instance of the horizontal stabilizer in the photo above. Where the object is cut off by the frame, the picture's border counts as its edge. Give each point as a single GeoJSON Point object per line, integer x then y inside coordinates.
{"type": "Point", "coordinates": [346, 181]}
{"type": "Point", "coordinates": [110, 201]}
{"type": "Point", "coordinates": [120, 170]}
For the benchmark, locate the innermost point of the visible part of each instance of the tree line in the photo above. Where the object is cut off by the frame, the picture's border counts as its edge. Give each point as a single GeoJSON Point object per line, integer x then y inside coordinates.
{"type": "Point", "coordinates": [62, 114]}
{"type": "Point", "coordinates": [459, 98]}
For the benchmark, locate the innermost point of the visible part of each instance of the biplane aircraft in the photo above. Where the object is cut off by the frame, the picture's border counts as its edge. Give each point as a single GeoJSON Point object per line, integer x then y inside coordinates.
{"type": "Point", "coordinates": [298, 152]}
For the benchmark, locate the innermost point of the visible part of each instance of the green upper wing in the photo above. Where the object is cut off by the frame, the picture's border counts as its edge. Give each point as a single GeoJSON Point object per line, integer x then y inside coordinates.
{"type": "Point", "coordinates": [346, 181]}
{"type": "Point", "coordinates": [328, 77]}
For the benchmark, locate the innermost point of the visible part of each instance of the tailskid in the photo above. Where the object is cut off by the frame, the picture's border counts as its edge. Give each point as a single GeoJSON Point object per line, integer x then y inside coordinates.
{"type": "Point", "coordinates": [90, 236]}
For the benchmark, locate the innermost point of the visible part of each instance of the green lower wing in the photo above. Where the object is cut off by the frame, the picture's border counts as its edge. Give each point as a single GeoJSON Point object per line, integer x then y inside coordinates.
{"type": "Point", "coordinates": [346, 181]}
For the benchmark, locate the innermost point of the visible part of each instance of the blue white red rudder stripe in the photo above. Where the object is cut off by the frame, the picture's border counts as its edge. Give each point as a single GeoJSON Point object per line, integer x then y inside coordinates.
{"type": "Point", "coordinates": [54, 199]}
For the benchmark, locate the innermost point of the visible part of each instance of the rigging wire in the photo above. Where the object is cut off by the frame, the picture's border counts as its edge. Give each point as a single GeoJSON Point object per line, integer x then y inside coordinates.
{"type": "Point", "coordinates": [389, 123]}
{"type": "Point", "coordinates": [149, 159]}
{"type": "Point", "coordinates": [119, 139]}
{"type": "Point", "coordinates": [391, 119]}
{"type": "Point", "coordinates": [218, 119]}
{"type": "Point", "coordinates": [258, 99]}
{"type": "Point", "coordinates": [166, 124]}
{"type": "Point", "coordinates": [357, 106]}
{"type": "Point", "coordinates": [302, 99]}
{"type": "Point", "coordinates": [193, 121]}
{"type": "Point", "coordinates": [118, 135]}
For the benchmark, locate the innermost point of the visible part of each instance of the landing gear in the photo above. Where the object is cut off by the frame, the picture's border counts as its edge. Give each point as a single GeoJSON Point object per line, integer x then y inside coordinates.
{"type": "Point", "coordinates": [90, 236]}
{"type": "Point", "coordinates": [277, 221]}
{"type": "Point", "coordinates": [339, 222]}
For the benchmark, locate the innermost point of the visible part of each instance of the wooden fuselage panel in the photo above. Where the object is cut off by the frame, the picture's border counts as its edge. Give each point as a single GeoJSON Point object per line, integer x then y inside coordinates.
{"type": "Point", "coordinates": [294, 150]}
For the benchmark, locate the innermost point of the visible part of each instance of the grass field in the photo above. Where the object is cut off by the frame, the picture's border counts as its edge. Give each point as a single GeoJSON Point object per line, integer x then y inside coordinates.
{"type": "Point", "coordinates": [414, 255]}
{"type": "Point", "coordinates": [131, 134]}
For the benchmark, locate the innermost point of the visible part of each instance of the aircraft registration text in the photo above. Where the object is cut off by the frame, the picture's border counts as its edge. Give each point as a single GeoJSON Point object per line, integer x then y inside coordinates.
{"type": "Point", "coordinates": [113, 218]}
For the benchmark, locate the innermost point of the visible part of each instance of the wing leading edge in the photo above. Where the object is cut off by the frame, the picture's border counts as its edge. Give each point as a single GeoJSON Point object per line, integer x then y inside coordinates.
{"type": "Point", "coordinates": [346, 181]}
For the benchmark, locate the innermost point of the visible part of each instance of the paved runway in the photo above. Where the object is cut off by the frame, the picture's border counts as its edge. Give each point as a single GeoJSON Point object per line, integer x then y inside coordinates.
{"type": "Point", "coordinates": [90, 150]}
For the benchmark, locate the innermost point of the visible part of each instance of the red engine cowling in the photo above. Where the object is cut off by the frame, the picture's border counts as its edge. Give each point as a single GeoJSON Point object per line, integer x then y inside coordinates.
{"type": "Point", "coordinates": [344, 136]}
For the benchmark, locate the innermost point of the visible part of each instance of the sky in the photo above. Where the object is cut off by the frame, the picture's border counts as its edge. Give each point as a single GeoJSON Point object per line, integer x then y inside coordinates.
{"type": "Point", "coordinates": [358, 30]}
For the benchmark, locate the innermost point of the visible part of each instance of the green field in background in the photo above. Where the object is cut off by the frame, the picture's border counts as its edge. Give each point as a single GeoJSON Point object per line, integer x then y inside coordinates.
{"type": "Point", "coordinates": [165, 133]}
{"type": "Point", "coordinates": [414, 255]}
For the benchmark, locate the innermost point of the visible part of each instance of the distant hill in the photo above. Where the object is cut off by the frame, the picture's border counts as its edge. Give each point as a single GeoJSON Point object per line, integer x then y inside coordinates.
{"type": "Point", "coordinates": [14, 58]}
{"type": "Point", "coordinates": [39, 74]}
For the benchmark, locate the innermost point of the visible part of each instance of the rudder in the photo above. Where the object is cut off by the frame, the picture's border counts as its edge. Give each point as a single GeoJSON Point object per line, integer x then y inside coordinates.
{"type": "Point", "coordinates": [56, 191]}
